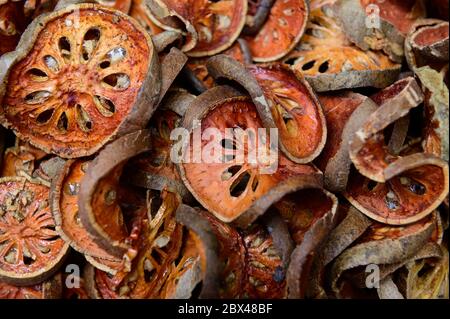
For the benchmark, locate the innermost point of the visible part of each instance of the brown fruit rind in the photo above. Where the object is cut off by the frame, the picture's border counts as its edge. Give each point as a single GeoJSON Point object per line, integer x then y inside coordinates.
{"type": "Point", "coordinates": [143, 99]}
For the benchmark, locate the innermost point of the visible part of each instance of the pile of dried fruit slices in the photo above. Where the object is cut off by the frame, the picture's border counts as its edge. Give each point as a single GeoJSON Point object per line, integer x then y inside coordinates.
{"type": "Point", "coordinates": [119, 174]}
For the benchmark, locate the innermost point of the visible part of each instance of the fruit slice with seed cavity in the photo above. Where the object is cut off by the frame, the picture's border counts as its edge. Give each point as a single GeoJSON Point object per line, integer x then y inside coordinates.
{"type": "Point", "coordinates": [64, 201]}
{"type": "Point", "coordinates": [281, 32]}
{"type": "Point", "coordinates": [344, 112]}
{"type": "Point", "coordinates": [379, 26]}
{"type": "Point", "coordinates": [284, 100]}
{"type": "Point", "coordinates": [247, 263]}
{"type": "Point", "coordinates": [216, 23]}
{"type": "Point", "coordinates": [427, 42]}
{"type": "Point", "coordinates": [368, 150]}
{"type": "Point", "coordinates": [386, 244]}
{"type": "Point", "coordinates": [330, 62]}
{"type": "Point", "coordinates": [30, 248]}
{"type": "Point", "coordinates": [71, 92]}
{"type": "Point", "coordinates": [98, 198]}
{"type": "Point", "coordinates": [231, 175]}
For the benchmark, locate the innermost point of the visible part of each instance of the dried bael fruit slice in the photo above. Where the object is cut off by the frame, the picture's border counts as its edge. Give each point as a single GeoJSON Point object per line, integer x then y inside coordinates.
{"type": "Point", "coordinates": [345, 112]}
{"type": "Point", "coordinates": [98, 197]}
{"type": "Point", "coordinates": [198, 72]}
{"type": "Point", "coordinates": [241, 264]}
{"type": "Point", "coordinates": [368, 151]}
{"type": "Point", "coordinates": [216, 23]}
{"type": "Point", "coordinates": [330, 62]}
{"type": "Point", "coordinates": [64, 203]}
{"type": "Point", "coordinates": [258, 11]}
{"type": "Point", "coordinates": [81, 76]}
{"type": "Point", "coordinates": [372, 24]}
{"type": "Point", "coordinates": [238, 166]}
{"type": "Point", "coordinates": [427, 42]}
{"type": "Point", "coordinates": [284, 100]}
{"type": "Point", "coordinates": [140, 11]}
{"type": "Point", "coordinates": [381, 244]}
{"type": "Point", "coordinates": [281, 32]}
{"type": "Point", "coordinates": [436, 104]}
{"type": "Point", "coordinates": [155, 169]}
{"type": "Point", "coordinates": [50, 289]}
{"type": "Point", "coordinates": [21, 159]}
{"type": "Point", "coordinates": [425, 278]}
{"type": "Point", "coordinates": [30, 248]}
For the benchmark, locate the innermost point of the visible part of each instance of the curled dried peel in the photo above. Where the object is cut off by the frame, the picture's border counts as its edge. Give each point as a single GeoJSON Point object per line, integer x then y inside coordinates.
{"type": "Point", "coordinates": [141, 13]}
{"type": "Point", "coordinates": [71, 92]}
{"type": "Point", "coordinates": [368, 151]}
{"type": "Point", "coordinates": [258, 11]}
{"type": "Point", "coordinates": [216, 24]}
{"type": "Point", "coordinates": [344, 112]}
{"type": "Point", "coordinates": [284, 100]}
{"type": "Point", "coordinates": [330, 62]}
{"type": "Point", "coordinates": [379, 26]}
{"type": "Point", "coordinates": [229, 185]}
{"type": "Point", "coordinates": [30, 248]}
{"type": "Point", "coordinates": [281, 32]}
{"type": "Point", "coordinates": [98, 198]}
{"type": "Point", "coordinates": [382, 244]}
{"type": "Point", "coordinates": [64, 202]}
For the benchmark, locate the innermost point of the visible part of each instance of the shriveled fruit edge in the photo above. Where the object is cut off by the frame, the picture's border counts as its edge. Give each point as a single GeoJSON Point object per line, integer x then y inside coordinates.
{"type": "Point", "coordinates": [388, 289]}
{"type": "Point", "coordinates": [159, 10]}
{"type": "Point", "coordinates": [338, 167]}
{"type": "Point", "coordinates": [352, 18]}
{"type": "Point", "coordinates": [257, 21]}
{"type": "Point", "coordinates": [177, 100]}
{"type": "Point", "coordinates": [89, 281]}
{"type": "Point", "coordinates": [146, 99]}
{"type": "Point", "coordinates": [391, 110]}
{"type": "Point", "coordinates": [341, 237]}
{"type": "Point", "coordinates": [94, 262]}
{"type": "Point", "coordinates": [222, 66]}
{"type": "Point", "coordinates": [386, 251]}
{"type": "Point", "coordinates": [290, 185]}
{"type": "Point", "coordinates": [171, 66]}
{"type": "Point", "coordinates": [50, 269]}
{"type": "Point", "coordinates": [398, 135]}
{"type": "Point", "coordinates": [188, 216]}
{"type": "Point", "coordinates": [353, 79]}
{"type": "Point", "coordinates": [162, 40]}
{"type": "Point", "coordinates": [55, 196]}
{"type": "Point", "coordinates": [301, 257]}
{"type": "Point", "coordinates": [112, 155]}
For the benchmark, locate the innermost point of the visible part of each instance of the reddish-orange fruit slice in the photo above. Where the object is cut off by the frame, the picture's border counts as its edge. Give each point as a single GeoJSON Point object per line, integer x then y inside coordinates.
{"type": "Point", "coordinates": [50, 289]}
{"type": "Point", "coordinates": [228, 187]}
{"type": "Point", "coordinates": [372, 24]}
{"type": "Point", "coordinates": [30, 248]}
{"type": "Point", "coordinates": [331, 62]}
{"type": "Point", "coordinates": [21, 158]}
{"type": "Point", "coordinates": [217, 24]}
{"type": "Point", "coordinates": [281, 32]}
{"type": "Point", "coordinates": [295, 109]}
{"type": "Point", "coordinates": [69, 96]}
{"type": "Point", "coordinates": [64, 202]}
{"type": "Point", "coordinates": [368, 150]}
{"type": "Point", "coordinates": [98, 199]}
{"type": "Point", "coordinates": [345, 112]}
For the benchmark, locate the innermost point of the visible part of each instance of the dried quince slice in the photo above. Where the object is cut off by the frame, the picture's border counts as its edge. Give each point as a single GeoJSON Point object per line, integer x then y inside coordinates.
{"type": "Point", "coordinates": [284, 100]}
{"type": "Point", "coordinates": [281, 32]}
{"type": "Point", "coordinates": [64, 202]}
{"type": "Point", "coordinates": [216, 23]}
{"type": "Point", "coordinates": [49, 289]}
{"type": "Point", "coordinates": [98, 198]}
{"type": "Point", "coordinates": [232, 179]}
{"type": "Point", "coordinates": [81, 76]}
{"type": "Point", "coordinates": [427, 42]}
{"type": "Point", "coordinates": [30, 248]}
{"type": "Point", "coordinates": [372, 24]}
{"type": "Point", "coordinates": [344, 112]}
{"type": "Point", "coordinates": [330, 62]}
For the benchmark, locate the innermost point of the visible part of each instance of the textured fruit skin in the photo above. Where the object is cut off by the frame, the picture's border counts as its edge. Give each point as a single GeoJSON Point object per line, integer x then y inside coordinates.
{"type": "Point", "coordinates": [142, 99]}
